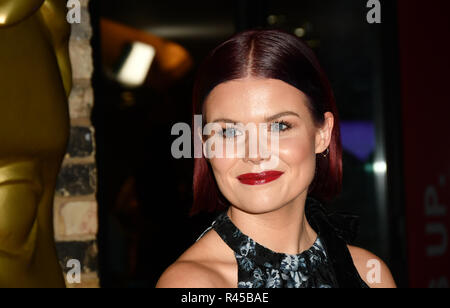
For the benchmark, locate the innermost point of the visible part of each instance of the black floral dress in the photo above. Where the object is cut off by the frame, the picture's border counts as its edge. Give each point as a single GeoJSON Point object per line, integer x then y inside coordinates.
{"type": "Point", "coordinates": [260, 267]}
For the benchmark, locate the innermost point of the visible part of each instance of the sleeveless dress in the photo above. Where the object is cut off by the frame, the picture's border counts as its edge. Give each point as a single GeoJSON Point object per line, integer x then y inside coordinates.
{"type": "Point", "coordinates": [326, 264]}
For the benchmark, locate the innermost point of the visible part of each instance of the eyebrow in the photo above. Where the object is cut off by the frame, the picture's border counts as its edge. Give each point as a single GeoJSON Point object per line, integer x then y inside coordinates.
{"type": "Point", "coordinates": [267, 119]}
{"type": "Point", "coordinates": [282, 114]}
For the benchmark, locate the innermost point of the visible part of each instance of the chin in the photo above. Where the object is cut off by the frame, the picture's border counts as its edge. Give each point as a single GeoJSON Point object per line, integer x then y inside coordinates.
{"type": "Point", "coordinates": [259, 204]}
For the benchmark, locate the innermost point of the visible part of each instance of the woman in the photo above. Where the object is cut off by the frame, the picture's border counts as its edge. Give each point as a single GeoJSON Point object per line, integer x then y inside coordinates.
{"type": "Point", "coordinates": [272, 230]}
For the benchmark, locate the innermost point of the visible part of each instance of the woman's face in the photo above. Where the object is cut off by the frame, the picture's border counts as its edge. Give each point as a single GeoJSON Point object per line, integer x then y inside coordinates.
{"type": "Point", "coordinates": [263, 183]}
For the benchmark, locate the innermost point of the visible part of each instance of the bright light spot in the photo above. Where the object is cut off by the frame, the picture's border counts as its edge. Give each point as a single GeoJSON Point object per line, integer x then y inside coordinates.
{"type": "Point", "coordinates": [137, 65]}
{"type": "Point", "coordinates": [2, 19]}
{"type": "Point", "coordinates": [300, 32]}
{"type": "Point", "coordinates": [379, 167]}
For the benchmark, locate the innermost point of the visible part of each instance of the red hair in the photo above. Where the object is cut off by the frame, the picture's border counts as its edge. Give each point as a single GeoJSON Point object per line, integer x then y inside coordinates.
{"type": "Point", "coordinates": [270, 54]}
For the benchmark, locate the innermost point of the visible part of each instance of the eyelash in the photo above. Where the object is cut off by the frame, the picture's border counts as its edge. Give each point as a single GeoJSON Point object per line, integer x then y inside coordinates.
{"type": "Point", "coordinates": [224, 132]}
{"type": "Point", "coordinates": [278, 123]}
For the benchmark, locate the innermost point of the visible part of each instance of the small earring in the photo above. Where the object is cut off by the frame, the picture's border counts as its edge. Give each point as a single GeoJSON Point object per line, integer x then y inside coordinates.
{"type": "Point", "coordinates": [327, 152]}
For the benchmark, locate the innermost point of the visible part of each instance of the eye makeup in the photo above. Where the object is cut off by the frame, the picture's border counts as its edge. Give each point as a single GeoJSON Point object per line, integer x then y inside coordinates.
{"type": "Point", "coordinates": [276, 126]}
{"type": "Point", "coordinates": [280, 126]}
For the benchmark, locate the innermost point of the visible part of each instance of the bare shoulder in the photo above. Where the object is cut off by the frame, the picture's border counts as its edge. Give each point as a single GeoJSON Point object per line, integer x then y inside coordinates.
{"type": "Point", "coordinates": [206, 264]}
{"type": "Point", "coordinates": [371, 268]}
{"type": "Point", "coordinates": [188, 274]}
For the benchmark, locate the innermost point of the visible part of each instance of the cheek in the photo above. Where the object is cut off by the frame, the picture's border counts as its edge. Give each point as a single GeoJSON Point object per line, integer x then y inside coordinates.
{"type": "Point", "coordinates": [298, 154]}
{"type": "Point", "coordinates": [222, 168]}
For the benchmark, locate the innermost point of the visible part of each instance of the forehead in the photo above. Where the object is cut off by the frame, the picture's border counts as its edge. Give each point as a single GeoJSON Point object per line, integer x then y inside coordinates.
{"type": "Point", "coordinates": [251, 99]}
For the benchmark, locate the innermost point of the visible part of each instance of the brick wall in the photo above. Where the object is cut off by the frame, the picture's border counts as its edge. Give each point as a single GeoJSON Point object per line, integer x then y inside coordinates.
{"type": "Point", "coordinates": [75, 211]}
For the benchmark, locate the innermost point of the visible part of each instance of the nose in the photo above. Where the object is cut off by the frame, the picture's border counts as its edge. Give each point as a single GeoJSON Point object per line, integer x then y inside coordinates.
{"type": "Point", "coordinates": [256, 160]}
{"type": "Point", "coordinates": [256, 150]}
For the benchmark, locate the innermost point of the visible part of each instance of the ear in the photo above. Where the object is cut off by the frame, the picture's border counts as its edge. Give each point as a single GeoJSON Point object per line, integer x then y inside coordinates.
{"type": "Point", "coordinates": [200, 134]}
{"type": "Point", "coordinates": [323, 134]}
{"type": "Point", "coordinates": [201, 138]}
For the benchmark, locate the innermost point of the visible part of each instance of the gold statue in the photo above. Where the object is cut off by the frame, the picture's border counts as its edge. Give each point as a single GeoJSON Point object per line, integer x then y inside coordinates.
{"type": "Point", "coordinates": [35, 80]}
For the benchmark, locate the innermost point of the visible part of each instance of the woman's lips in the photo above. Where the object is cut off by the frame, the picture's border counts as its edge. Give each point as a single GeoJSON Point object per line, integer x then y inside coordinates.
{"type": "Point", "coordinates": [259, 178]}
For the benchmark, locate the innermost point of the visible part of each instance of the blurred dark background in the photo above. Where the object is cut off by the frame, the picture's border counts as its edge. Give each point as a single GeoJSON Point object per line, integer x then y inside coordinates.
{"type": "Point", "coordinates": [381, 75]}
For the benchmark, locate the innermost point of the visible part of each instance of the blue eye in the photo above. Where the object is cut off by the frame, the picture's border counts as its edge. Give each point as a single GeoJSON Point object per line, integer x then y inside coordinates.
{"type": "Point", "coordinates": [279, 126]}
{"type": "Point", "coordinates": [230, 132]}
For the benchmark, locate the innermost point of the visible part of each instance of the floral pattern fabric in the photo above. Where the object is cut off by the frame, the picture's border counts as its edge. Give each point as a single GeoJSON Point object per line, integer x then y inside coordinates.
{"type": "Point", "coordinates": [260, 267]}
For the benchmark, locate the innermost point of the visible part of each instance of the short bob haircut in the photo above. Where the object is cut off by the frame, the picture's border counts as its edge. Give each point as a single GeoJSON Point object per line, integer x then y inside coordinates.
{"type": "Point", "coordinates": [272, 54]}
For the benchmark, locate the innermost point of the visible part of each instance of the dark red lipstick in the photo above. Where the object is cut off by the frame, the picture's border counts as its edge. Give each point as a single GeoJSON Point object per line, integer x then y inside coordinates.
{"type": "Point", "coordinates": [259, 178]}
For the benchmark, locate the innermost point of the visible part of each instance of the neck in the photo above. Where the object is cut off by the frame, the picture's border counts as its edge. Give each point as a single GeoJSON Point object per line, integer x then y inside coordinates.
{"type": "Point", "coordinates": [284, 230]}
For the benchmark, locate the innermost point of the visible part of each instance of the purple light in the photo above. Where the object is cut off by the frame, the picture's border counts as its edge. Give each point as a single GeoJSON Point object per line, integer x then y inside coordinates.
{"type": "Point", "coordinates": [358, 138]}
